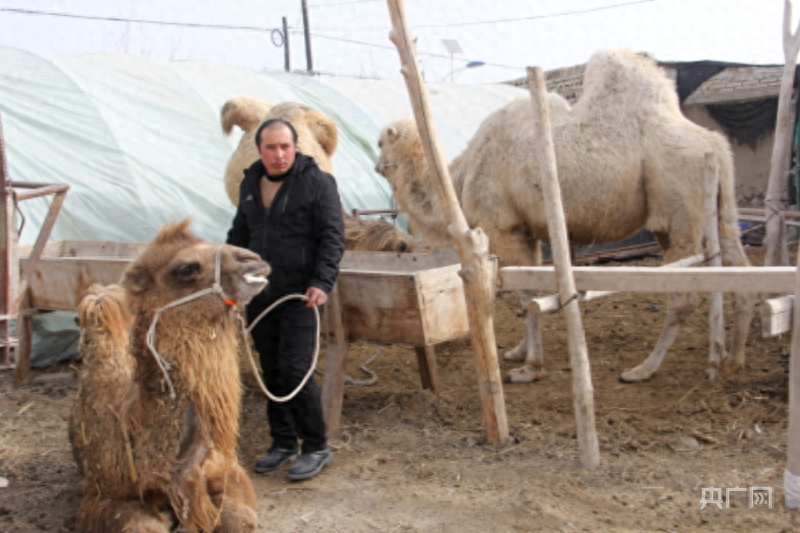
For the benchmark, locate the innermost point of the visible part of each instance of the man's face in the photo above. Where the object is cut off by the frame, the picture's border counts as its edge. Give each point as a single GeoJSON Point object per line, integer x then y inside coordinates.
{"type": "Point", "coordinates": [277, 150]}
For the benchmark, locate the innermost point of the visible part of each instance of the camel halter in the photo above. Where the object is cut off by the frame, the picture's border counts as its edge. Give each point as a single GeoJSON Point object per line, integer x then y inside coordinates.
{"type": "Point", "coordinates": [151, 332]}
{"type": "Point", "coordinates": [216, 287]}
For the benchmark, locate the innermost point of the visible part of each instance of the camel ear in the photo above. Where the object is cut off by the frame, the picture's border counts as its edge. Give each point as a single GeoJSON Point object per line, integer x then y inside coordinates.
{"type": "Point", "coordinates": [391, 133]}
{"type": "Point", "coordinates": [136, 280]}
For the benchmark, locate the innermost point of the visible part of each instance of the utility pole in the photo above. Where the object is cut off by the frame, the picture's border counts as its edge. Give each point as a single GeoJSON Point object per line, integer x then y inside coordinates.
{"type": "Point", "coordinates": [287, 64]}
{"type": "Point", "coordinates": [307, 30]}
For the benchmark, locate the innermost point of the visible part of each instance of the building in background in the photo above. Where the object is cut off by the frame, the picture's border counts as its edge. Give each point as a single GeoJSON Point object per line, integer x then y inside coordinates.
{"type": "Point", "coordinates": [738, 100]}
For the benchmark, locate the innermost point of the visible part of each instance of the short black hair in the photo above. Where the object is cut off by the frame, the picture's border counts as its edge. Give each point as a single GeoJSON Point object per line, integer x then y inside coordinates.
{"type": "Point", "coordinates": [271, 122]}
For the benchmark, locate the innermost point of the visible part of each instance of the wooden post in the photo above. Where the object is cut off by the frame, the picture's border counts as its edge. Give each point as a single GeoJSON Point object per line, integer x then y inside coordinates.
{"type": "Point", "coordinates": [8, 264]}
{"type": "Point", "coordinates": [792, 474]}
{"type": "Point", "coordinates": [24, 340]}
{"type": "Point", "coordinates": [335, 363]}
{"type": "Point", "coordinates": [716, 325]}
{"type": "Point", "coordinates": [776, 254]}
{"type": "Point", "coordinates": [428, 372]}
{"type": "Point", "coordinates": [559, 243]}
{"type": "Point", "coordinates": [472, 245]}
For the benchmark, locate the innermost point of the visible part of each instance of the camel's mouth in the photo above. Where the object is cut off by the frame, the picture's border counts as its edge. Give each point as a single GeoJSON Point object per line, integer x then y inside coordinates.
{"type": "Point", "coordinates": [255, 279]}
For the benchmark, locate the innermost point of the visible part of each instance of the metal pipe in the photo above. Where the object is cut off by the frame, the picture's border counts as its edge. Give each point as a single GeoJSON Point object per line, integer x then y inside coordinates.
{"type": "Point", "coordinates": [307, 31]}
{"type": "Point", "coordinates": [287, 64]}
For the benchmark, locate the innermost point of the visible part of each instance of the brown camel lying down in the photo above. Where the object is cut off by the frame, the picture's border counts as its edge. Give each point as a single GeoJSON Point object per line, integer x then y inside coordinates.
{"type": "Point", "coordinates": [152, 461]}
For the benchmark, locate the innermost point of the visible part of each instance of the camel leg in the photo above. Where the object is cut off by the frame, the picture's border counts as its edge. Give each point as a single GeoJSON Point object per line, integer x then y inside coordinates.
{"type": "Point", "coordinates": [743, 302]}
{"type": "Point", "coordinates": [529, 349]}
{"type": "Point", "coordinates": [235, 517]}
{"type": "Point", "coordinates": [233, 493]}
{"type": "Point", "coordinates": [114, 516]}
{"type": "Point", "coordinates": [681, 307]}
{"type": "Point", "coordinates": [743, 313]}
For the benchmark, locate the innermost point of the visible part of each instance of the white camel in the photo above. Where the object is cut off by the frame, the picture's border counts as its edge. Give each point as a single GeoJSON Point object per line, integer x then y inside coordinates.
{"type": "Point", "coordinates": [627, 158]}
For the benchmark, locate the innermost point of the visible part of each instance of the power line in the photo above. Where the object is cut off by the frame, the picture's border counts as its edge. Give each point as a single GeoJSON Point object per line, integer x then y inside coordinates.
{"type": "Point", "coordinates": [140, 21]}
{"type": "Point", "coordinates": [535, 17]}
{"type": "Point", "coordinates": [497, 21]}
{"type": "Point", "coordinates": [392, 48]}
{"type": "Point", "coordinates": [345, 3]}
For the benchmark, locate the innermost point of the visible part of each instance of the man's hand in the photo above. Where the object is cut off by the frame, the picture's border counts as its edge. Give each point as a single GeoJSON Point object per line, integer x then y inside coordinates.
{"type": "Point", "coordinates": [316, 297]}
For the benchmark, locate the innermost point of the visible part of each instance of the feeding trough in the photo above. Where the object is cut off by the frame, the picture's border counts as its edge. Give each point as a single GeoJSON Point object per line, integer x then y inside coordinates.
{"type": "Point", "coordinates": [415, 299]}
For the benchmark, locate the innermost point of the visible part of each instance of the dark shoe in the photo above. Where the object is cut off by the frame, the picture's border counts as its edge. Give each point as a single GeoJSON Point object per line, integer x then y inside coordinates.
{"type": "Point", "coordinates": [310, 464]}
{"type": "Point", "coordinates": [274, 460]}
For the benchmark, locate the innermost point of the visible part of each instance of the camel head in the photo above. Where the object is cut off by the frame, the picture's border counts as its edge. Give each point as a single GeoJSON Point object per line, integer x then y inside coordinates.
{"type": "Point", "coordinates": [177, 264]}
{"type": "Point", "coordinates": [399, 145]}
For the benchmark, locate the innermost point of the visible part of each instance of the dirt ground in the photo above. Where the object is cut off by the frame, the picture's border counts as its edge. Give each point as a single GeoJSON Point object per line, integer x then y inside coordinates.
{"type": "Point", "coordinates": [407, 460]}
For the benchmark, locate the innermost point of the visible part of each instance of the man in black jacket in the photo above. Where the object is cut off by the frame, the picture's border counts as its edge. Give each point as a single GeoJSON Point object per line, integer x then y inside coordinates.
{"type": "Point", "coordinates": [290, 214]}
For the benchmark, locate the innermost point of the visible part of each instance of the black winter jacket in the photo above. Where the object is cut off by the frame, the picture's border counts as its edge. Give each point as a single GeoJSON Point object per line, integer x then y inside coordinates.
{"type": "Point", "coordinates": [301, 235]}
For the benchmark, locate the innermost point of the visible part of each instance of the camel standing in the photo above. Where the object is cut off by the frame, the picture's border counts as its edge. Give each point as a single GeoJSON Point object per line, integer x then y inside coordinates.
{"type": "Point", "coordinates": [317, 136]}
{"type": "Point", "coordinates": [627, 158]}
{"type": "Point", "coordinates": [152, 460]}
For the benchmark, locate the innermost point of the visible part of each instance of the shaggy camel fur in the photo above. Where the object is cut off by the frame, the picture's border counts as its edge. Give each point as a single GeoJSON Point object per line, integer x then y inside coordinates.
{"type": "Point", "coordinates": [316, 136]}
{"type": "Point", "coordinates": [627, 158]}
{"type": "Point", "coordinates": [152, 462]}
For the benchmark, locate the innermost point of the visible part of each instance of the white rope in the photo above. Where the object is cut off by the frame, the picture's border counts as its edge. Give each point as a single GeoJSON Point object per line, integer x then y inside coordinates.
{"type": "Point", "coordinates": [363, 366]}
{"type": "Point", "coordinates": [281, 399]}
{"type": "Point", "coordinates": [150, 339]}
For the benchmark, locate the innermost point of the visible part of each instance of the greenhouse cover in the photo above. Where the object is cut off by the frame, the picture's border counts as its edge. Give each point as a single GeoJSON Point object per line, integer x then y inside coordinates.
{"type": "Point", "coordinates": [140, 144]}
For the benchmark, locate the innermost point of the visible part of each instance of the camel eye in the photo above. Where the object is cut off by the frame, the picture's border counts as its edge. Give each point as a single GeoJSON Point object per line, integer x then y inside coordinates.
{"type": "Point", "coordinates": [187, 272]}
{"type": "Point", "coordinates": [380, 144]}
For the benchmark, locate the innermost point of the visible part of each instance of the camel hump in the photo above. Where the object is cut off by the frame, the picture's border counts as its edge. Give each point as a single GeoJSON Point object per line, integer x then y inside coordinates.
{"type": "Point", "coordinates": [321, 126]}
{"type": "Point", "coordinates": [620, 80]}
{"type": "Point", "coordinates": [104, 309]}
{"type": "Point", "coordinates": [244, 111]}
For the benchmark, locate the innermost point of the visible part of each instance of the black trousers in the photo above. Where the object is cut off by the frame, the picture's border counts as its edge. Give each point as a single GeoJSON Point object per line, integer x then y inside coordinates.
{"type": "Point", "coordinates": [285, 340]}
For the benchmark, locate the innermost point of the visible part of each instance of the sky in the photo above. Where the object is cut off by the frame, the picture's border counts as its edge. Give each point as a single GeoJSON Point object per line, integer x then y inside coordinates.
{"type": "Point", "coordinates": [350, 37]}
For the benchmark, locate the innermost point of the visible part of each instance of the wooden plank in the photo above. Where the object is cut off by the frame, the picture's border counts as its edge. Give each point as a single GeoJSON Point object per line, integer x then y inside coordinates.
{"type": "Point", "coordinates": [59, 283]}
{"type": "Point", "coordinates": [385, 290]}
{"type": "Point", "coordinates": [617, 254]}
{"type": "Point", "coordinates": [733, 96]}
{"type": "Point", "coordinates": [41, 240]}
{"type": "Point", "coordinates": [395, 262]}
{"type": "Point", "coordinates": [332, 397]}
{"type": "Point", "coordinates": [428, 372]}
{"type": "Point", "coordinates": [776, 316]}
{"type": "Point", "coordinates": [548, 304]}
{"type": "Point", "coordinates": [385, 325]}
{"type": "Point", "coordinates": [440, 300]}
{"type": "Point", "coordinates": [760, 211]}
{"type": "Point", "coordinates": [439, 279]}
{"type": "Point", "coordinates": [656, 279]}
{"type": "Point", "coordinates": [443, 315]}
